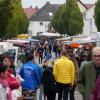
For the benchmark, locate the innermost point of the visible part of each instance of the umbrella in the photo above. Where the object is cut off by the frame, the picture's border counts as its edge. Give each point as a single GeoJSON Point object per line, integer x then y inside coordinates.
{"type": "Point", "coordinates": [74, 45]}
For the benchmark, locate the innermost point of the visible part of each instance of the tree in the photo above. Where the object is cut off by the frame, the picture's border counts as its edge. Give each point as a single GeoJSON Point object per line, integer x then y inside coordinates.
{"type": "Point", "coordinates": [97, 15]}
{"type": "Point", "coordinates": [5, 15]}
{"type": "Point", "coordinates": [18, 24]}
{"type": "Point", "coordinates": [13, 20]}
{"type": "Point", "coordinates": [68, 19]}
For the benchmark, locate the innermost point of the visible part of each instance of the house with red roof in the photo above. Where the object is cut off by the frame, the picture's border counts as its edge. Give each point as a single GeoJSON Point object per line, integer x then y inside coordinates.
{"type": "Point", "coordinates": [30, 11]}
{"type": "Point", "coordinates": [40, 21]}
{"type": "Point", "coordinates": [87, 10]}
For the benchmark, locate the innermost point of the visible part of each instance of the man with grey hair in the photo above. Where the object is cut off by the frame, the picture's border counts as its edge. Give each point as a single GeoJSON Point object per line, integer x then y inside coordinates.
{"type": "Point", "coordinates": [89, 74]}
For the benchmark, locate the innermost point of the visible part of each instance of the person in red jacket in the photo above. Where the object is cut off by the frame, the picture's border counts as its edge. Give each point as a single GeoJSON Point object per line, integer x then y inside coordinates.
{"type": "Point", "coordinates": [95, 95]}
{"type": "Point", "coordinates": [10, 73]}
{"type": "Point", "coordinates": [5, 91]}
{"type": "Point", "coordinates": [12, 81]}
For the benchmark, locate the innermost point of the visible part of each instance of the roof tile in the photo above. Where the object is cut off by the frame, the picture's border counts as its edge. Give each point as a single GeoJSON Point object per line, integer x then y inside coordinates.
{"type": "Point", "coordinates": [30, 11]}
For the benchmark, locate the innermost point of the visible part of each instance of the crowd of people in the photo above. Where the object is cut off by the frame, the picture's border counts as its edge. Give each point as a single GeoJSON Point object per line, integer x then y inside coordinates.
{"type": "Point", "coordinates": [68, 70]}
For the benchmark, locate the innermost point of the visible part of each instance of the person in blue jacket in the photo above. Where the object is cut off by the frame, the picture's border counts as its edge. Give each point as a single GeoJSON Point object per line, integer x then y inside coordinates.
{"type": "Point", "coordinates": [31, 73]}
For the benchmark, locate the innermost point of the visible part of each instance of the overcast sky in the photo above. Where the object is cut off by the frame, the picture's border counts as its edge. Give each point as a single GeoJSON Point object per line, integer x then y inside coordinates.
{"type": "Point", "coordinates": [40, 3]}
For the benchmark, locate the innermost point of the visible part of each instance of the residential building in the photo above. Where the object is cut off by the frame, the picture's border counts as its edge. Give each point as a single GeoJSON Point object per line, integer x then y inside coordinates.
{"type": "Point", "coordinates": [88, 17]}
{"type": "Point", "coordinates": [30, 11]}
{"type": "Point", "coordinates": [40, 21]}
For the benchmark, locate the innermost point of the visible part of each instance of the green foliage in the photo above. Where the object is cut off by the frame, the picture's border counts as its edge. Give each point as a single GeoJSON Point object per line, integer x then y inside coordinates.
{"type": "Point", "coordinates": [68, 19]}
{"type": "Point", "coordinates": [5, 15]}
{"type": "Point", "coordinates": [22, 57]}
{"type": "Point", "coordinates": [97, 15]}
{"type": "Point", "coordinates": [17, 23]}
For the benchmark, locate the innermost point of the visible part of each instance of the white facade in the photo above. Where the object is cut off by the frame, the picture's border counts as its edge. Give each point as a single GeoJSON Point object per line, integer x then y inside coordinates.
{"type": "Point", "coordinates": [36, 27]}
{"type": "Point", "coordinates": [89, 27]}
{"type": "Point", "coordinates": [89, 22]}
{"type": "Point", "coordinates": [88, 18]}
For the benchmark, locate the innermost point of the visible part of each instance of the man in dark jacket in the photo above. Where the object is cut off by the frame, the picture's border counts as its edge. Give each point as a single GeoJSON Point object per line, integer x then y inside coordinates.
{"type": "Point", "coordinates": [40, 51]}
{"type": "Point", "coordinates": [88, 74]}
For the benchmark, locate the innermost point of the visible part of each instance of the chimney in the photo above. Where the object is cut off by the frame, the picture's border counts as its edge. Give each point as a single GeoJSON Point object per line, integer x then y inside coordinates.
{"type": "Point", "coordinates": [47, 3]}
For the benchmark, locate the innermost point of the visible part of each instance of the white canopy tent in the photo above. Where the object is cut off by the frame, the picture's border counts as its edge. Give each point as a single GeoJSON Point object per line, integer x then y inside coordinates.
{"type": "Point", "coordinates": [87, 40]}
{"type": "Point", "coordinates": [65, 38]}
{"type": "Point", "coordinates": [50, 34]}
{"type": "Point", "coordinates": [17, 41]}
{"type": "Point", "coordinates": [80, 40]}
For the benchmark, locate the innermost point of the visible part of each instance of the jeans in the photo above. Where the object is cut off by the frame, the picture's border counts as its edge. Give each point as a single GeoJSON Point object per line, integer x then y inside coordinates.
{"type": "Point", "coordinates": [63, 90]}
{"type": "Point", "coordinates": [41, 92]}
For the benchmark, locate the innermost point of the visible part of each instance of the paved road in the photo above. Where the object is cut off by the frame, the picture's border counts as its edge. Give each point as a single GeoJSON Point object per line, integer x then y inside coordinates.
{"type": "Point", "coordinates": [77, 96]}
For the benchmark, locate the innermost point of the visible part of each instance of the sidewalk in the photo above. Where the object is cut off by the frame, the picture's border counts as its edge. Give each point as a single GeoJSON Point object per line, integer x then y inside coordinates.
{"type": "Point", "coordinates": [77, 96]}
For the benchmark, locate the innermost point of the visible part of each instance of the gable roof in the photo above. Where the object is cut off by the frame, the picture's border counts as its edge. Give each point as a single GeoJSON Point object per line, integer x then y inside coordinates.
{"type": "Point", "coordinates": [87, 6]}
{"type": "Point", "coordinates": [46, 12]}
{"type": "Point", "coordinates": [30, 11]}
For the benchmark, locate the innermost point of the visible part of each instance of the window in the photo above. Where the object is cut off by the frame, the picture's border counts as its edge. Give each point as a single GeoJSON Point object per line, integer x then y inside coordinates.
{"type": "Point", "coordinates": [41, 23]}
{"type": "Point", "coordinates": [50, 13]}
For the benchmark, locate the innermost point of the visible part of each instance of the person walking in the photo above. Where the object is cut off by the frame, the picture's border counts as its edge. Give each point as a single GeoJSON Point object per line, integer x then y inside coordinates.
{"type": "Point", "coordinates": [85, 60]}
{"type": "Point", "coordinates": [40, 51]}
{"type": "Point", "coordinates": [64, 74]}
{"type": "Point", "coordinates": [89, 74]}
{"type": "Point", "coordinates": [31, 74]}
{"type": "Point", "coordinates": [48, 82]}
{"type": "Point", "coordinates": [72, 90]}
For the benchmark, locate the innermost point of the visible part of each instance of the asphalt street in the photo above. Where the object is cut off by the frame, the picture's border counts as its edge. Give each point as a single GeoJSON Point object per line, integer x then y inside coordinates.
{"type": "Point", "coordinates": [77, 96]}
